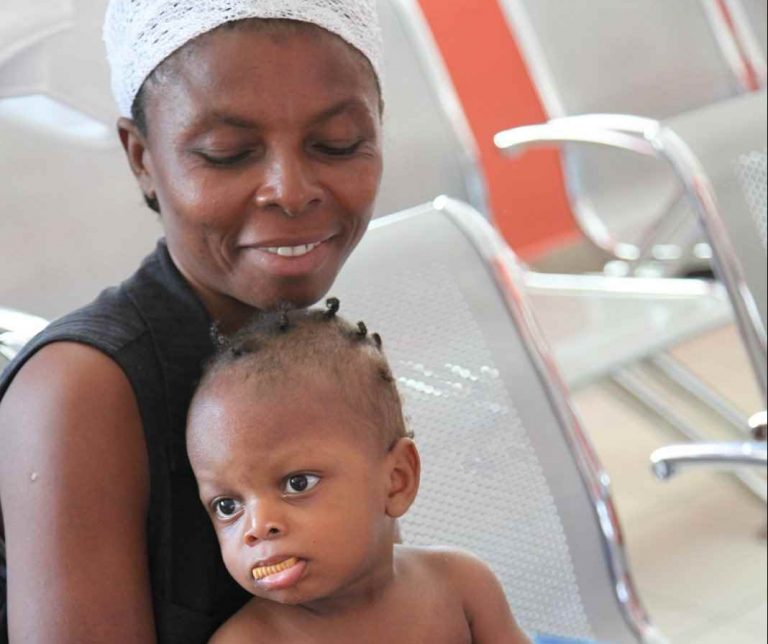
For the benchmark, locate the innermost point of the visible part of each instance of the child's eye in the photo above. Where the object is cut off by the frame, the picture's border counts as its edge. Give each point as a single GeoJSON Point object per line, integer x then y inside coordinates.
{"type": "Point", "coordinates": [226, 508]}
{"type": "Point", "coordinates": [298, 483]}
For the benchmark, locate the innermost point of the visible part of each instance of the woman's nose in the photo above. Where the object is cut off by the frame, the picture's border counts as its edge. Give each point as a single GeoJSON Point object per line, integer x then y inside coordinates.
{"type": "Point", "coordinates": [265, 522]}
{"type": "Point", "coordinates": [288, 185]}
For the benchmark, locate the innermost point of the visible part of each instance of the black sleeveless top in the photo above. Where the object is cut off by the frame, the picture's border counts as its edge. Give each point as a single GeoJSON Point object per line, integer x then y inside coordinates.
{"type": "Point", "coordinates": [154, 327]}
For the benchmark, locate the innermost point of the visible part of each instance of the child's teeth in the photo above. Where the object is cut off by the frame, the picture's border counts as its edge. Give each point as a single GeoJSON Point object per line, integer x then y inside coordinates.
{"type": "Point", "coordinates": [267, 571]}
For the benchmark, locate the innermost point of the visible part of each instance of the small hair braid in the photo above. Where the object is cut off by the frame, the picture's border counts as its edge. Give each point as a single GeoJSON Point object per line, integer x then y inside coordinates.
{"type": "Point", "coordinates": [333, 305]}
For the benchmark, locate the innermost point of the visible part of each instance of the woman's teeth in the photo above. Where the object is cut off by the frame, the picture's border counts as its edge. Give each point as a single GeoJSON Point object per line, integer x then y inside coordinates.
{"type": "Point", "coordinates": [261, 572]}
{"type": "Point", "coordinates": [292, 251]}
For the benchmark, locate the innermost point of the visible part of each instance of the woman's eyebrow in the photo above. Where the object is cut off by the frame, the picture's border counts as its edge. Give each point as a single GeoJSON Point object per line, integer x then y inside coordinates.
{"type": "Point", "coordinates": [242, 122]}
{"type": "Point", "coordinates": [347, 105]}
{"type": "Point", "coordinates": [234, 120]}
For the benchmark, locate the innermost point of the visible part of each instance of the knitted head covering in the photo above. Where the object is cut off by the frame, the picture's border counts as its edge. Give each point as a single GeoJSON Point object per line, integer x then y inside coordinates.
{"type": "Point", "coordinates": [140, 34]}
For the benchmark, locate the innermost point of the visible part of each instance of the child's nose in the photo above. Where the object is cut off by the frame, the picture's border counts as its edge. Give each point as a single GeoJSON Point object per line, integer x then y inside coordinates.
{"type": "Point", "coordinates": [263, 524]}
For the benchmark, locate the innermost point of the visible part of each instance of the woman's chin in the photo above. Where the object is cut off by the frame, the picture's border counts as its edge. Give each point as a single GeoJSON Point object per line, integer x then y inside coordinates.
{"type": "Point", "coordinates": [298, 295]}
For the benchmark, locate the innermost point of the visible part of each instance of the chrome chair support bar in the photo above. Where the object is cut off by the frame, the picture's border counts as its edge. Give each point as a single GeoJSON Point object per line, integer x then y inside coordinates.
{"type": "Point", "coordinates": [667, 461]}
{"type": "Point", "coordinates": [637, 388]}
{"type": "Point", "coordinates": [701, 391]}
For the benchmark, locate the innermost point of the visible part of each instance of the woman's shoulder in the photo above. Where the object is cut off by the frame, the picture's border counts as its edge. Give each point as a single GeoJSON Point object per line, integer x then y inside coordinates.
{"type": "Point", "coordinates": [107, 326]}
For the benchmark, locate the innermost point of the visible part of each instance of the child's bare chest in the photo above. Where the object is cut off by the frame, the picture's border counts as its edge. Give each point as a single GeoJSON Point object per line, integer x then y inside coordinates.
{"type": "Point", "coordinates": [442, 622]}
{"type": "Point", "coordinates": [402, 633]}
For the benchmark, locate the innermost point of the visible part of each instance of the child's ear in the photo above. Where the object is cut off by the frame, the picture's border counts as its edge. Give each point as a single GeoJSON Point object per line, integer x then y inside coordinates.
{"type": "Point", "coordinates": [404, 476]}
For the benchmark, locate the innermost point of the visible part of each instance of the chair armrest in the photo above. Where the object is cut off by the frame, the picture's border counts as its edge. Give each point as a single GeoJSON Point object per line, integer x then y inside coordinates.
{"type": "Point", "coordinates": [623, 131]}
{"type": "Point", "coordinates": [666, 461]}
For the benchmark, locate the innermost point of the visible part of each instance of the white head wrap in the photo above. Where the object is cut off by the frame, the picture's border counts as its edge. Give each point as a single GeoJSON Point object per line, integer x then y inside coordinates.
{"type": "Point", "coordinates": [140, 34]}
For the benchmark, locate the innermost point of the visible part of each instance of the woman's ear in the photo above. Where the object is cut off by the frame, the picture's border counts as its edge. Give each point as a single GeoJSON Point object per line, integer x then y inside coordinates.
{"type": "Point", "coordinates": [404, 476]}
{"type": "Point", "coordinates": [135, 146]}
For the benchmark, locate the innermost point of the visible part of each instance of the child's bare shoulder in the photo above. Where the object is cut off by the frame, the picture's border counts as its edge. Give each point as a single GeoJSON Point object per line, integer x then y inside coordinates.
{"type": "Point", "coordinates": [465, 577]}
{"type": "Point", "coordinates": [252, 623]}
{"type": "Point", "coordinates": [445, 564]}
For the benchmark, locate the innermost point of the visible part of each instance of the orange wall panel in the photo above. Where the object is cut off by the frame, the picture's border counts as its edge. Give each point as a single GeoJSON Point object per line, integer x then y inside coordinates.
{"type": "Point", "coordinates": [526, 194]}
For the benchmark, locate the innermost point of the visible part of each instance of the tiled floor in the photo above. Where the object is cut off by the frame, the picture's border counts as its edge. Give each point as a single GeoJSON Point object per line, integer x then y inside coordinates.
{"type": "Point", "coordinates": [697, 543]}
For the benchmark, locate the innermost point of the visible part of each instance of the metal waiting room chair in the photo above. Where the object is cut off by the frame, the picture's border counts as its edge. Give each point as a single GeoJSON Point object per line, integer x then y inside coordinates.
{"type": "Point", "coordinates": [718, 156]}
{"type": "Point", "coordinates": [507, 471]}
{"type": "Point", "coordinates": [726, 172]}
{"type": "Point", "coordinates": [624, 120]}
{"type": "Point", "coordinates": [654, 59]}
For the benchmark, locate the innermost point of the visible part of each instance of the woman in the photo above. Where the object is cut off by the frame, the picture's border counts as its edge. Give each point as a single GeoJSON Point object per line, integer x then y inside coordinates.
{"type": "Point", "coordinates": [253, 128]}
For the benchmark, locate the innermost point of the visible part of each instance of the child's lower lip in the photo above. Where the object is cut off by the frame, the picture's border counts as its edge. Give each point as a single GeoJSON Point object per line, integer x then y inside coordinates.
{"type": "Point", "coordinates": [285, 578]}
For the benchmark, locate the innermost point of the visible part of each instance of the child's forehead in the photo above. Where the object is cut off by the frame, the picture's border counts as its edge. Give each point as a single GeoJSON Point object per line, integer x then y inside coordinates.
{"type": "Point", "coordinates": [238, 407]}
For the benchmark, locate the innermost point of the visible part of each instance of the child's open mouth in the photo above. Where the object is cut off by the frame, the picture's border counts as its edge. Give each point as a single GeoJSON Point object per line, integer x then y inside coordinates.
{"type": "Point", "coordinates": [279, 575]}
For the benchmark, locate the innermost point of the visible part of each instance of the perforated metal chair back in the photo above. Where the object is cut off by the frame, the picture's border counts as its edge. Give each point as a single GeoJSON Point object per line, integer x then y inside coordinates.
{"type": "Point", "coordinates": [653, 58]}
{"type": "Point", "coordinates": [507, 472]}
{"type": "Point", "coordinates": [727, 170]}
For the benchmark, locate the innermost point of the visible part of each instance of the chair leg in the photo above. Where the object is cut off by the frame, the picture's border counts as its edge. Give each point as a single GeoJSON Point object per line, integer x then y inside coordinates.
{"type": "Point", "coordinates": [641, 392]}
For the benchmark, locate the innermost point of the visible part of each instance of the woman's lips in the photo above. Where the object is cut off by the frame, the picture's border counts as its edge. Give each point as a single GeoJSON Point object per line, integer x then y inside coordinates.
{"type": "Point", "coordinates": [279, 575]}
{"type": "Point", "coordinates": [292, 251]}
{"type": "Point", "coordinates": [291, 261]}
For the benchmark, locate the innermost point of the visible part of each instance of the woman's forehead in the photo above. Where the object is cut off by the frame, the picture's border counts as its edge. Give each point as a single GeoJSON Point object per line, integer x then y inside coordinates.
{"type": "Point", "coordinates": [229, 67]}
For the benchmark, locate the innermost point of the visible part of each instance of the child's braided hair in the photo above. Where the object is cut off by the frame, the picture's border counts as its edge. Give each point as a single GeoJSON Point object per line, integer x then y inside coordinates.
{"type": "Point", "coordinates": [284, 346]}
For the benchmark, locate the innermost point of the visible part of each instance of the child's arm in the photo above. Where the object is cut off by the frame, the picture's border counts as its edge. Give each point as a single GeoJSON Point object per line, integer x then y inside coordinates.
{"type": "Point", "coordinates": [485, 605]}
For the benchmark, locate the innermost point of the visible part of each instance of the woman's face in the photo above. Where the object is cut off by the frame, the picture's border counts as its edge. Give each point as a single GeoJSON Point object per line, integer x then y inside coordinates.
{"type": "Point", "coordinates": [263, 150]}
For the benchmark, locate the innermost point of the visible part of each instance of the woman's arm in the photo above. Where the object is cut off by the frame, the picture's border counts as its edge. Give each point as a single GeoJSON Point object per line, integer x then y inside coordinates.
{"type": "Point", "coordinates": [74, 488]}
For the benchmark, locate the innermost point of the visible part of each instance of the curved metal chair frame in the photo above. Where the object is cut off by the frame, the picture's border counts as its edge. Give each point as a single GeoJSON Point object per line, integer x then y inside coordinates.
{"type": "Point", "coordinates": [653, 138]}
{"type": "Point", "coordinates": [667, 241]}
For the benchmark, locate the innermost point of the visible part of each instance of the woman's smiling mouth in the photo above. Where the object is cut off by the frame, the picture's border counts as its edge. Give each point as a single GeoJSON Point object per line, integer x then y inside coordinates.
{"type": "Point", "coordinates": [293, 251]}
{"type": "Point", "coordinates": [284, 259]}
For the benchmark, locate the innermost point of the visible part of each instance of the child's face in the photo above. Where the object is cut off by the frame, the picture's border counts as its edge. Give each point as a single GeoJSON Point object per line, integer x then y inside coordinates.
{"type": "Point", "coordinates": [299, 488]}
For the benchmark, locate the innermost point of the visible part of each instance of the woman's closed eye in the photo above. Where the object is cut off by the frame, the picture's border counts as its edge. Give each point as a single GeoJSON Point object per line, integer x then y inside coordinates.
{"type": "Point", "coordinates": [225, 159]}
{"type": "Point", "coordinates": [226, 508]}
{"type": "Point", "coordinates": [299, 483]}
{"type": "Point", "coordinates": [338, 149]}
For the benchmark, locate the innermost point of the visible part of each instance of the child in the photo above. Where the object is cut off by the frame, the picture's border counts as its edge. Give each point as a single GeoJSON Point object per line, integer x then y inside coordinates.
{"type": "Point", "coordinates": [297, 439]}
